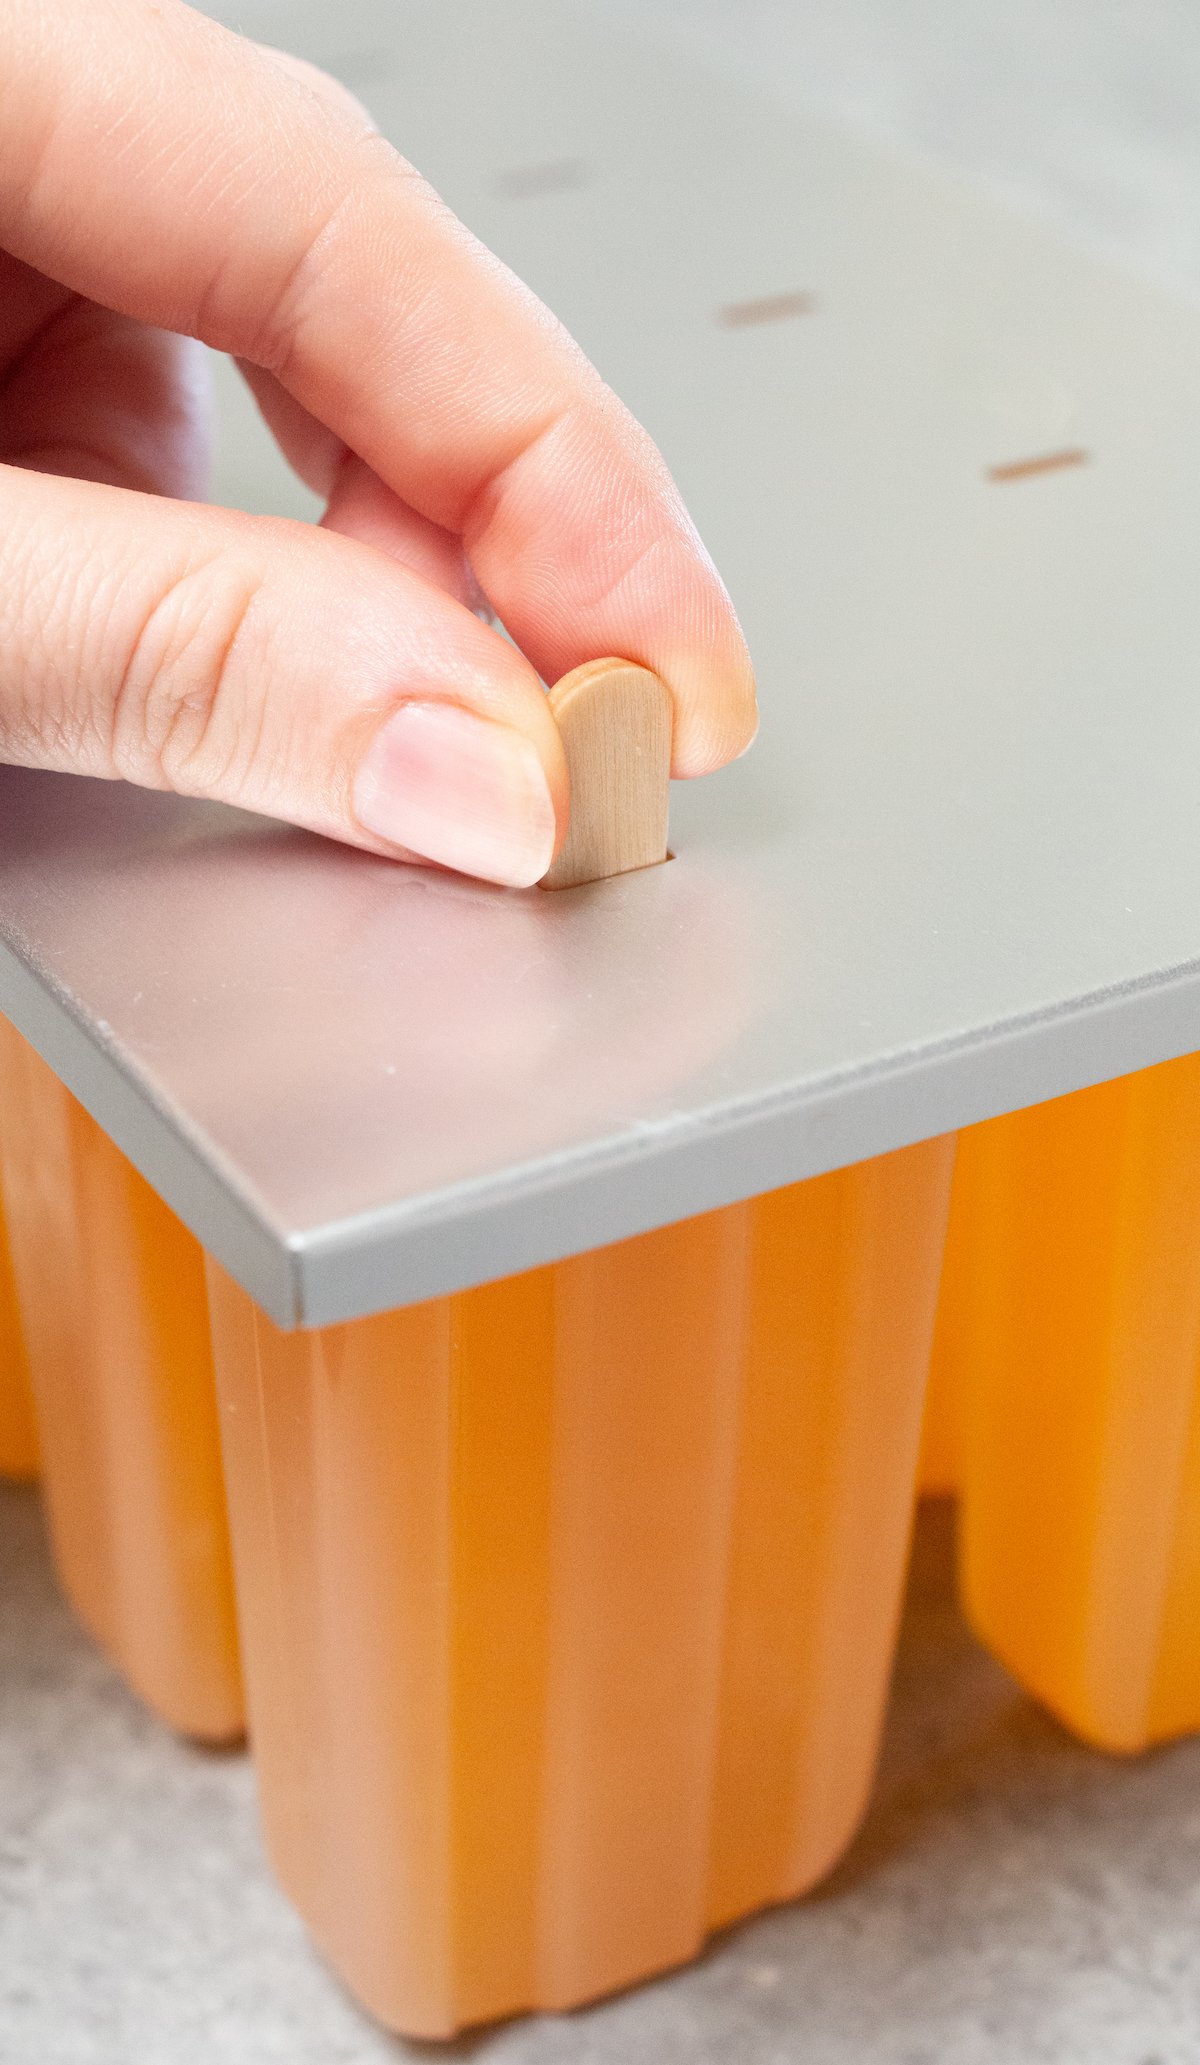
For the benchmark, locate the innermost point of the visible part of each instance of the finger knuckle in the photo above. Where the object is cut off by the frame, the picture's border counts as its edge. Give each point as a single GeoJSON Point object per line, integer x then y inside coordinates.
{"type": "Point", "coordinates": [177, 720]}
{"type": "Point", "coordinates": [367, 167]}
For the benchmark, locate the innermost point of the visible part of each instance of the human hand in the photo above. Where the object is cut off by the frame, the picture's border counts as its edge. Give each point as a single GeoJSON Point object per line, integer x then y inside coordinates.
{"type": "Point", "coordinates": [163, 181]}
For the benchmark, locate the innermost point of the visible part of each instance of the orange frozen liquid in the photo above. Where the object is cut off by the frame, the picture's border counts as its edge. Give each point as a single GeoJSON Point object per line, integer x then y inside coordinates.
{"type": "Point", "coordinates": [1070, 1331]}
{"type": "Point", "coordinates": [111, 1289]}
{"type": "Point", "coordinates": [569, 1602]}
{"type": "Point", "coordinates": [938, 1471]}
{"type": "Point", "coordinates": [18, 1433]}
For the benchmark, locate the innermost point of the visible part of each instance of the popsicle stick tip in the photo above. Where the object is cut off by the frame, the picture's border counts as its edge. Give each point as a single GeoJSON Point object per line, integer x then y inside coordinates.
{"type": "Point", "coordinates": [615, 721]}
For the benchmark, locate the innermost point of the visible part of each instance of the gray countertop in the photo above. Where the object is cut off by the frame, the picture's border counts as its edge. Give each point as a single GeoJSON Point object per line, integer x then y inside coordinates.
{"type": "Point", "coordinates": [1013, 1899]}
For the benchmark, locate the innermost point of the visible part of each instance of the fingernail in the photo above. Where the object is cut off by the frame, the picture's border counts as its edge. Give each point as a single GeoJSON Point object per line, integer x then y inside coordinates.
{"type": "Point", "coordinates": [458, 790]}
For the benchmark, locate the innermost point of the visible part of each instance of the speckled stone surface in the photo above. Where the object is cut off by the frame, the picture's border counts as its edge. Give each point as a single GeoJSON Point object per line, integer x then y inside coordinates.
{"type": "Point", "coordinates": [1012, 1897]}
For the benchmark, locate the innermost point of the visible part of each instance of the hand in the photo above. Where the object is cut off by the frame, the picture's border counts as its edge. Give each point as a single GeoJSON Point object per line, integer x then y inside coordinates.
{"type": "Point", "coordinates": [163, 181]}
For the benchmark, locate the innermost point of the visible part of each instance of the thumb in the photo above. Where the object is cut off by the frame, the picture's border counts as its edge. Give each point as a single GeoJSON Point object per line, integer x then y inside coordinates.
{"type": "Point", "coordinates": [273, 666]}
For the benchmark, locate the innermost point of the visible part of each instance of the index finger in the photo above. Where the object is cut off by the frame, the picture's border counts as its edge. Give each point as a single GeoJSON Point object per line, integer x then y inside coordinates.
{"type": "Point", "coordinates": [158, 163]}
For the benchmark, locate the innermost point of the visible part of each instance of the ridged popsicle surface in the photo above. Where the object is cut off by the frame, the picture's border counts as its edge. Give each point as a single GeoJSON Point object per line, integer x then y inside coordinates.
{"type": "Point", "coordinates": [112, 1300]}
{"type": "Point", "coordinates": [1070, 1329]}
{"type": "Point", "coordinates": [569, 1602]}
{"type": "Point", "coordinates": [18, 1429]}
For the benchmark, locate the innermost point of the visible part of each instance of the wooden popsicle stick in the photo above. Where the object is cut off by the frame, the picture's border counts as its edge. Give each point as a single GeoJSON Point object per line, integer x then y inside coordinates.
{"type": "Point", "coordinates": [615, 720]}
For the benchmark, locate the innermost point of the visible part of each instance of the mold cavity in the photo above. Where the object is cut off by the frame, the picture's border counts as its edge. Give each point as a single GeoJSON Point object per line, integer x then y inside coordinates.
{"type": "Point", "coordinates": [770, 308]}
{"type": "Point", "coordinates": [645, 868]}
{"type": "Point", "coordinates": [527, 182]}
{"type": "Point", "coordinates": [1042, 462]}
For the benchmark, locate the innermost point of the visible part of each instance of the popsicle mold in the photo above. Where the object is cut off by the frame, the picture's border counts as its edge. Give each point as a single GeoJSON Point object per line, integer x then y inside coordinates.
{"type": "Point", "coordinates": [568, 1603]}
{"type": "Point", "coordinates": [110, 1289]}
{"type": "Point", "coordinates": [1068, 1349]}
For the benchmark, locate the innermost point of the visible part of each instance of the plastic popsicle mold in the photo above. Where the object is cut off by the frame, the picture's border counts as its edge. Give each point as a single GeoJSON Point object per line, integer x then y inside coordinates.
{"type": "Point", "coordinates": [111, 1293]}
{"type": "Point", "coordinates": [569, 1602]}
{"type": "Point", "coordinates": [1069, 1353]}
{"type": "Point", "coordinates": [568, 1599]}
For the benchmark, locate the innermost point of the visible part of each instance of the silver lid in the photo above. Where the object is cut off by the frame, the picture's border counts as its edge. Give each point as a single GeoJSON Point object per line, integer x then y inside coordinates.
{"type": "Point", "coordinates": [959, 873]}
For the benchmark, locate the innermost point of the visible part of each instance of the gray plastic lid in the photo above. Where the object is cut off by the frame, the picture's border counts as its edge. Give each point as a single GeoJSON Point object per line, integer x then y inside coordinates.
{"type": "Point", "coordinates": [959, 873]}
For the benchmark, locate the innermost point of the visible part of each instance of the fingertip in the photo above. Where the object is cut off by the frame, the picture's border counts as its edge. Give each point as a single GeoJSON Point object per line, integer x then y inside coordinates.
{"type": "Point", "coordinates": [716, 716]}
{"type": "Point", "coordinates": [444, 784]}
